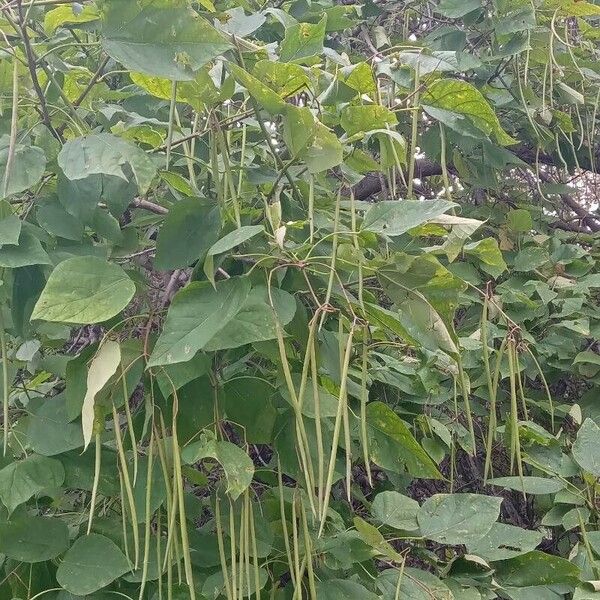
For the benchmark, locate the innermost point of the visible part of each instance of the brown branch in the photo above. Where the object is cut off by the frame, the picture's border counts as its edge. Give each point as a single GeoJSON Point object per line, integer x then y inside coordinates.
{"type": "Point", "coordinates": [149, 206]}
{"type": "Point", "coordinates": [21, 28]}
{"type": "Point", "coordinates": [584, 215]}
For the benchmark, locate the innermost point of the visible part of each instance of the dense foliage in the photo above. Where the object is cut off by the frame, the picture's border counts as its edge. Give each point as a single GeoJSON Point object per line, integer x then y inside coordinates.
{"type": "Point", "coordinates": [299, 300]}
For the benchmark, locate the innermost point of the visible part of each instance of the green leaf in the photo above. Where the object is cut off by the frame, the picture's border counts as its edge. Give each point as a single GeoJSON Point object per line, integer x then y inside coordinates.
{"type": "Point", "coordinates": [90, 564]}
{"type": "Point", "coordinates": [66, 15]}
{"type": "Point", "coordinates": [235, 238]}
{"type": "Point", "coordinates": [196, 315]}
{"type": "Point", "coordinates": [29, 251]}
{"type": "Point", "coordinates": [303, 41]}
{"type": "Point", "coordinates": [395, 510]}
{"type": "Point", "coordinates": [342, 589]}
{"type": "Point", "coordinates": [529, 484]}
{"type": "Point", "coordinates": [255, 321]}
{"type": "Point", "coordinates": [267, 98]}
{"type": "Point", "coordinates": [199, 93]}
{"type": "Point", "coordinates": [413, 584]}
{"type": "Point", "coordinates": [586, 449]}
{"type": "Point", "coordinates": [58, 222]}
{"type": "Point", "coordinates": [84, 290]}
{"type": "Point", "coordinates": [168, 41]}
{"type": "Point", "coordinates": [505, 541]}
{"type": "Point", "coordinates": [395, 217]}
{"type": "Point", "coordinates": [49, 431]}
{"type": "Point", "coordinates": [283, 78]}
{"type": "Point", "coordinates": [531, 257]}
{"type": "Point", "coordinates": [536, 568]}
{"type": "Point", "coordinates": [10, 230]}
{"type": "Point", "coordinates": [465, 99]}
{"type": "Point", "coordinates": [33, 539]}
{"type": "Point", "coordinates": [419, 322]}
{"type": "Point", "coordinates": [360, 78]}
{"type": "Point", "coordinates": [374, 538]}
{"type": "Point", "coordinates": [392, 446]}
{"type": "Point", "coordinates": [106, 154]}
{"type": "Point", "coordinates": [238, 467]}
{"type": "Point", "coordinates": [364, 118]}
{"type": "Point", "coordinates": [247, 403]}
{"type": "Point", "coordinates": [26, 167]}
{"type": "Point", "coordinates": [298, 128]}
{"type": "Point", "coordinates": [22, 479]}
{"type": "Point", "coordinates": [458, 518]}
{"type": "Point", "coordinates": [325, 151]}
{"type": "Point", "coordinates": [454, 9]}
{"type": "Point", "coordinates": [489, 254]}
{"type": "Point", "coordinates": [172, 377]}
{"type": "Point", "coordinates": [519, 220]}
{"type": "Point", "coordinates": [189, 230]}
{"type": "Point", "coordinates": [103, 366]}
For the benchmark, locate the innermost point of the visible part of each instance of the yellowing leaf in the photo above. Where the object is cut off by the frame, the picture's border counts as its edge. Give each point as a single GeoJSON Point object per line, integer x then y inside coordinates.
{"type": "Point", "coordinates": [103, 367]}
{"type": "Point", "coordinates": [66, 15]}
{"type": "Point", "coordinates": [465, 99]}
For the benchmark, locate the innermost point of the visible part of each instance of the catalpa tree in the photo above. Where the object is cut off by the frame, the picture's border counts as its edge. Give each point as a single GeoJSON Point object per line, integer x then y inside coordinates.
{"type": "Point", "coordinates": [299, 300]}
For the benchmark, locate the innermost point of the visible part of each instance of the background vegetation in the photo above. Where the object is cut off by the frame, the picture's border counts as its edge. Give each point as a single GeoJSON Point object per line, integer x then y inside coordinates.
{"type": "Point", "coordinates": [299, 300]}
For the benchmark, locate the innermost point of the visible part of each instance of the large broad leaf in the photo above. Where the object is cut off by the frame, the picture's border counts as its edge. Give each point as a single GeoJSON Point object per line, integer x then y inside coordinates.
{"type": "Point", "coordinates": [529, 485]}
{"type": "Point", "coordinates": [238, 466]}
{"type": "Point", "coordinates": [298, 128]}
{"type": "Point", "coordinates": [342, 589]}
{"type": "Point", "coordinates": [414, 584]}
{"type": "Point", "coordinates": [53, 218]}
{"type": "Point", "coordinates": [103, 366]}
{"type": "Point", "coordinates": [266, 98]}
{"type": "Point", "coordinates": [91, 563]}
{"type": "Point", "coordinates": [465, 99]}
{"type": "Point", "coordinates": [22, 479]}
{"type": "Point", "coordinates": [455, 9]}
{"type": "Point", "coordinates": [395, 217]}
{"type": "Point", "coordinates": [10, 230]}
{"type": "Point", "coordinates": [395, 510]}
{"type": "Point", "coordinates": [49, 431]}
{"type": "Point", "coordinates": [247, 403]}
{"type": "Point", "coordinates": [27, 252]}
{"type": "Point", "coordinates": [458, 518]}
{"type": "Point", "coordinates": [168, 41]}
{"type": "Point", "coordinates": [84, 290]}
{"type": "Point", "coordinates": [255, 321]}
{"type": "Point", "coordinates": [66, 15]}
{"type": "Point", "coordinates": [189, 230]}
{"type": "Point", "coordinates": [505, 541]}
{"type": "Point", "coordinates": [33, 539]}
{"type": "Point", "coordinates": [199, 93]}
{"type": "Point", "coordinates": [363, 118]}
{"type": "Point", "coordinates": [235, 238]}
{"type": "Point", "coordinates": [303, 41]}
{"type": "Point", "coordinates": [536, 568]}
{"type": "Point", "coordinates": [324, 151]}
{"type": "Point", "coordinates": [488, 252]}
{"type": "Point", "coordinates": [392, 446]}
{"type": "Point", "coordinates": [416, 319]}
{"type": "Point", "coordinates": [586, 449]}
{"type": "Point", "coordinates": [424, 274]}
{"type": "Point", "coordinates": [80, 197]}
{"type": "Point", "coordinates": [26, 167]}
{"type": "Point", "coordinates": [197, 314]}
{"type": "Point", "coordinates": [106, 154]}
{"type": "Point", "coordinates": [284, 78]}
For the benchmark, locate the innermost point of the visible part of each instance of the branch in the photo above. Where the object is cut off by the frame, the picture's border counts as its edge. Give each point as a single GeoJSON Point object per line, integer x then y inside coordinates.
{"type": "Point", "coordinates": [150, 206]}
{"type": "Point", "coordinates": [21, 28]}
{"type": "Point", "coordinates": [371, 184]}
